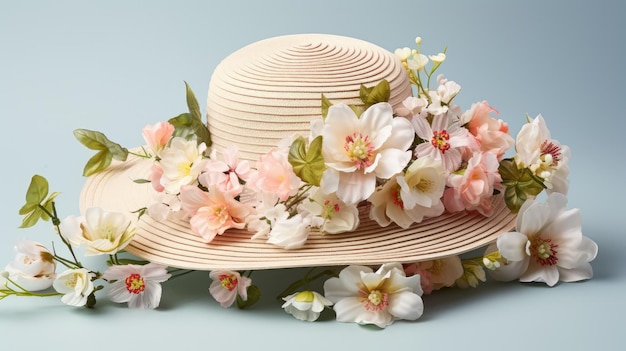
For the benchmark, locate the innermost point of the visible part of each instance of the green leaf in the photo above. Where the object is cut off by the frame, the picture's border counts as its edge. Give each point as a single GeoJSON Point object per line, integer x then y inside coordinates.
{"type": "Point", "coordinates": [380, 93]}
{"type": "Point", "coordinates": [326, 104]}
{"type": "Point", "coordinates": [254, 295]}
{"type": "Point", "coordinates": [519, 184]}
{"type": "Point", "coordinates": [97, 163]}
{"type": "Point", "coordinates": [141, 181]}
{"type": "Point", "coordinates": [107, 150]}
{"type": "Point", "coordinates": [192, 103]}
{"type": "Point", "coordinates": [308, 165]}
{"type": "Point", "coordinates": [36, 197]}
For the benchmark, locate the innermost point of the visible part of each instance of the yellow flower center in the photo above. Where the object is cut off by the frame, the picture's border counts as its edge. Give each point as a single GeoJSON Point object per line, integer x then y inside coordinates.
{"type": "Point", "coordinates": [329, 209]}
{"type": "Point", "coordinates": [305, 296]}
{"type": "Point", "coordinates": [228, 281]}
{"type": "Point", "coordinates": [360, 150]}
{"type": "Point", "coordinates": [375, 300]}
{"type": "Point", "coordinates": [135, 284]}
{"type": "Point", "coordinates": [543, 251]}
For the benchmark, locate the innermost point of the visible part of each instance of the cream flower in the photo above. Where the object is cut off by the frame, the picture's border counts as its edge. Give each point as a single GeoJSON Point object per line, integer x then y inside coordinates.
{"type": "Point", "coordinates": [444, 140]}
{"type": "Point", "coordinates": [305, 305]}
{"type": "Point", "coordinates": [213, 212]}
{"type": "Point", "coordinates": [388, 205]}
{"type": "Point", "coordinates": [366, 297]}
{"type": "Point", "coordinates": [403, 53]}
{"type": "Point", "coordinates": [102, 232]}
{"type": "Point", "coordinates": [358, 150]}
{"type": "Point", "coordinates": [227, 285]}
{"type": "Point", "coordinates": [137, 285]}
{"type": "Point", "coordinates": [425, 179]}
{"type": "Point", "coordinates": [545, 157]}
{"type": "Point", "coordinates": [441, 98]}
{"type": "Point", "coordinates": [76, 285]}
{"type": "Point", "coordinates": [417, 62]}
{"type": "Point", "coordinates": [33, 267]}
{"type": "Point", "coordinates": [336, 216]}
{"type": "Point", "coordinates": [548, 245]}
{"type": "Point", "coordinates": [181, 163]}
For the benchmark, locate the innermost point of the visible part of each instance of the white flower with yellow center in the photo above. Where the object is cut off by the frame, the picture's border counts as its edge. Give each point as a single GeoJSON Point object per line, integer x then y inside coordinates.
{"type": "Point", "coordinates": [358, 150]}
{"type": "Point", "coordinates": [363, 296]}
{"type": "Point", "coordinates": [102, 232]}
{"type": "Point", "coordinates": [305, 305]}
{"type": "Point", "coordinates": [181, 163]}
{"type": "Point", "coordinates": [76, 285]}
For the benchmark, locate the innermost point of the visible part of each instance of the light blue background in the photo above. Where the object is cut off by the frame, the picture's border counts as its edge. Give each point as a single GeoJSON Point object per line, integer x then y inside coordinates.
{"type": "Point", "coordinates": [116, 66]}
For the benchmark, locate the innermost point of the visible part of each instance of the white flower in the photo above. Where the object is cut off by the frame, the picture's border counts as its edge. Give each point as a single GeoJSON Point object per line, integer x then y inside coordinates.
{"type": "Point", "coordinates": [227, 285]}
{"type": "Point", "coordinates": [544, 156]}
{"type": "Point", "coordinates": [336, 216]}
{"type": "Point", "coordinates": [357, 150]}
{"type": "Point", "coordinates": [305, 305]}
{"type": "Point", "coordinates": [440, 57]}
{"type": "Point", "coordinates": [549, 245]}
{"type": "Point", "coordinates": [388, 205]}
{"type": "Point", "coordinates": [442, 97]}
{"type": "Point", "coordinates": [101, 231]}
{"type": "Point", "coordinates": [33, 267]}
{"type": "Point", "coordinates": [138, 285]}
{"type": "Point", "coordinates": [76, 285]}
{"type": "Point", "coordinates": [181, 163]}
{"type": "Point", "coordinates": [289, 232]}
{"type": "Point", "coordinates": [366, 297]}
{"type": "Point", "coordinates": [403, 53]}
{"type": "Point", "coordinates": [417, 62]}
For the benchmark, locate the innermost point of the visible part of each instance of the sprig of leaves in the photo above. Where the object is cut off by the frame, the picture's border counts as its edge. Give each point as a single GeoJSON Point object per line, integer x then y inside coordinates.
{"type": "Point", "coordinates": [381, 92]}
{"type": "Point", "coordinates": [307, 164]}
{"type": "Point", "coordinates": [38, 204]}
{"type": "Point", "coordinates": [107, 150]}
{"type": "Point", "coordinates": [190, 123]}
{"type": "Point", "coordinates": [519, 184]}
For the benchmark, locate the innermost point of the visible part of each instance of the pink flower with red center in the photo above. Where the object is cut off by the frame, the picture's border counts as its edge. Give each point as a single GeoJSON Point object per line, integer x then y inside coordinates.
{"type": "Point", "coordinates": [548, 245]}
{"type": "Point", "coordinates": [363, 296]}
{"type": "Point", "coordinates": [212, 212]}
{"type": "Point", "coordinates": [227, 285]}
{"type": "Point", "coordinates": [358, 150]}
{"type": "Point", "coordinates": [443, 140]}
{"type": "Point", "coordinates": [137, 285]}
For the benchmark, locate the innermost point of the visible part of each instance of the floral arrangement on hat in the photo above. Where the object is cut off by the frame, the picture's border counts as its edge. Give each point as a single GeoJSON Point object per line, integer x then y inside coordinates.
{"type": "Point", "coordinates": [417, 161]}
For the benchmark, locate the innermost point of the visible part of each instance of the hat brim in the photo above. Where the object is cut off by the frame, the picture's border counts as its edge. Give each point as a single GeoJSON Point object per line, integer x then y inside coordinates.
{"type": "Point", "coordinates": [172, 243]}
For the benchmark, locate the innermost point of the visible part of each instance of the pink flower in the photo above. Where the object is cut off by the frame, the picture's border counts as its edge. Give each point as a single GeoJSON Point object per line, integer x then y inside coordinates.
{"type": "Point", "coordinates": [436, 274]}
{"type": "Point", "coordinates": [138, 285]}
{"type": "Point", "coordinates": [227, 285]}
{"type": "Point", "coordinates": [275, 175]}
{"type": "Point", "coordinates": [444, 141]}
{"type": "Point", "coordinates": [156, 172]}
{"type": "Point", "coordinates": [158, 135]}
{"type": "Point", "coordinates": [212, 212]}
{"type": "Point", "coordinates": [227, 173]}
{"type": "Point", "coordinates": [492, 134]}
{"type": "Point", "coordinates": [473, 188]}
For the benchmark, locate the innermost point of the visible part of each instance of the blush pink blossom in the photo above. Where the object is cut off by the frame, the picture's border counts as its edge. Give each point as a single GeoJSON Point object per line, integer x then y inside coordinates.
{"type": "Point", "coordinates": [226, 172]}
{"type": "Point", "coordinates": [157, 135]}
{"type": "Point", "coordinates": [275, 175]}
{"type": "Point", "coordinates": [212, 212]}
{"type": "Point", "coordinates": [473, 188]}
{"type": "Point", "coordinates": [156, 172]}
{"type": "Point", "coordinates": [492, 134]}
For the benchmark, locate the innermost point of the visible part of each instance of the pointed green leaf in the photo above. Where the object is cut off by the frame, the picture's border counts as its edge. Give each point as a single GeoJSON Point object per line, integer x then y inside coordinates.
{"type": "Point", "coordinates": [192, 103]}
{"type": "Point", "coordinates": [519, 184]}
{"type": "Point", "coordinates": [364, 93]}
{"type": "Point", "coordinates": [97, 163]}
{"type": "Point", "coordinates": [326, 104]}
{"type": "Point", "coordinates": [37, 190]}
{"type": "Point", "coordinates": [307, 165]}
{"type": "Point", "coordinates": [254, 295]}
{"type": "Point", "coordinates": [380, 93]}
{"type": "Point", "coordinates": [357, 109]}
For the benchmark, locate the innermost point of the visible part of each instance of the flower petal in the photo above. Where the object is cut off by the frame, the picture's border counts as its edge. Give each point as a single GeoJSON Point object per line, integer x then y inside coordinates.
{"type": "Point", "coordinates": [512, 246]}
{"type": "Point", "coordinates": [406, 305]}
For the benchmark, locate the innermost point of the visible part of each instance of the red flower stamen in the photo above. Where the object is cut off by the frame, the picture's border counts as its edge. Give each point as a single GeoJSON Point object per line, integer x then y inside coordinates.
{"type": "Point", "coordinates": [135, 284]}
{"type": "Point", "coordinates": [441, 140]}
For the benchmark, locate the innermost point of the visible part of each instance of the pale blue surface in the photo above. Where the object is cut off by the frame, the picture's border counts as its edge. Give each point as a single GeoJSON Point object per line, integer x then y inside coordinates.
{"type": "Point", "coordinates": [117, 66]}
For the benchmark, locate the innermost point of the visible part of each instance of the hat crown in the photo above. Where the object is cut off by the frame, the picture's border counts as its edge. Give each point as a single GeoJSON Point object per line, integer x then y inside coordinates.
{"type": "Point", "coordinates": [271, 89]}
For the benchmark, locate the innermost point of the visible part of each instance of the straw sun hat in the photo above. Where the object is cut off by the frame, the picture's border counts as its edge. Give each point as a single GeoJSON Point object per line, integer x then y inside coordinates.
{"type": "Point", "coordinates": [257, 96]}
